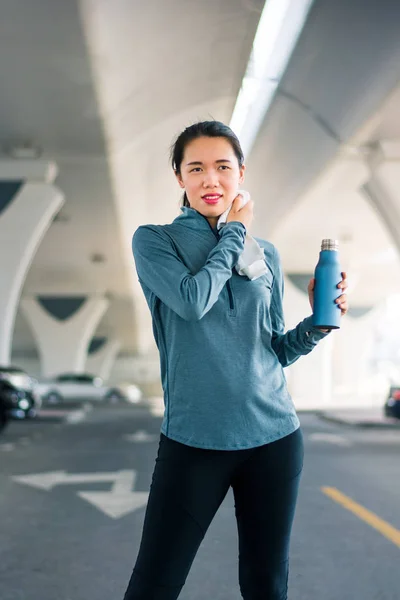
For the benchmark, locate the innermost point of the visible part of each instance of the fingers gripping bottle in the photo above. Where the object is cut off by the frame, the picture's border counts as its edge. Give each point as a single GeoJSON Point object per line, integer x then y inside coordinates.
{"type": "Point", "coordinates": [326, 313]}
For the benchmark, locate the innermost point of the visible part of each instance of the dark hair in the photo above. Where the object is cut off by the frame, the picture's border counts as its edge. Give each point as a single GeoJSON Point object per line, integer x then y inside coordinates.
{"type": "Point", "coordinates": [203, 129]}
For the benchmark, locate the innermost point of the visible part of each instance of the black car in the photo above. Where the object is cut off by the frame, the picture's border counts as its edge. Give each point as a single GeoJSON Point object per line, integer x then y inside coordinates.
{"type": "Point", "coordinates": [18, 399]}
{"type": "Point", "coordinates": [4, 413]}
{"type": "Point", "coordinates": [392, 404]}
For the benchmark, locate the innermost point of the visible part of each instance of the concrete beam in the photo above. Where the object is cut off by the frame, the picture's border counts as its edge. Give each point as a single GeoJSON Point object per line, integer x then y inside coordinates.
{"type": "Point", "coordinates": [33, 170]}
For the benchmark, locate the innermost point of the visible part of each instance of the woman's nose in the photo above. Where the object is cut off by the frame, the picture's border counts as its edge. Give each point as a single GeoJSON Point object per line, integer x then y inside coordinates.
{"type": "Point", "coordinates": [211, 179]}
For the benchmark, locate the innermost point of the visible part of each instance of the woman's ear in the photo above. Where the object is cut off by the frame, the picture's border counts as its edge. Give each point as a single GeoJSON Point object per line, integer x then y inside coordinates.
{"type": "Point", "coordinates": [241, 173]}
{"type": "Point", "coordinates": [179, 180]}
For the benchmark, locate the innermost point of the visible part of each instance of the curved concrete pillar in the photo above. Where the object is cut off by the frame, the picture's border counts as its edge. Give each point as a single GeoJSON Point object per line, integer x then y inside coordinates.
{"type": "Point", "coordinates": [101, 362]}
{"type": "Point", "coordinates": [143, 370]}
{"type": "Point", "coordinates": [354, 382]}
{"type": "Point", "coordinates": [63, 328]}
{"type": "Point", "coordinates": [310, 378]}
{"type": "Point", "coordinates": [382, 188]}
{"type": "Point", "coordinates": [337, 372]}
{"type": "Point", "coordinates": [26, 211]}
{"type": "Point", "coordinates": [145, 342]}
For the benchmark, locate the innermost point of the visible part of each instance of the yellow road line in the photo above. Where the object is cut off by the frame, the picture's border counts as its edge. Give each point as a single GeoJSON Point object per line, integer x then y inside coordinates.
{"type": "Point", "coordinates": [391, 533]}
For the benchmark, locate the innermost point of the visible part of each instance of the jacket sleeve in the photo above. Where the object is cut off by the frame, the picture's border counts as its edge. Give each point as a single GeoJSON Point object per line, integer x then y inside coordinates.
{"type": "Point", "coordinates": [161, 270]}
{"type": "Point", "coordinates": [296, 342]}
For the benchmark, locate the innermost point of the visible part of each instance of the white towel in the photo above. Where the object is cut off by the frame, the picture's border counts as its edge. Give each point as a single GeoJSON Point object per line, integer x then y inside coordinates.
{"type": "Point", "coordinates": [252, 261]}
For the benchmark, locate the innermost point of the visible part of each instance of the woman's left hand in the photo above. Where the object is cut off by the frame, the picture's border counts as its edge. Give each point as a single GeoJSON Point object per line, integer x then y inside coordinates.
{"type": "Point", "coordinates": [341, 300]}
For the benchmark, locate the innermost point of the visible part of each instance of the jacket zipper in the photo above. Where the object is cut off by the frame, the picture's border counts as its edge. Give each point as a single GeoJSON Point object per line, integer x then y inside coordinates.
{"type": "Point", "coordinates": [230, 294]}
{"type": "Point", "coordinates": [228, 283]}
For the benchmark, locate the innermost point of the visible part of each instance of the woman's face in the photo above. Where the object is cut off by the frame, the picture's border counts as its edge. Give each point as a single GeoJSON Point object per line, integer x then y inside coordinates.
{"type": "Point", "coordinates": [210, 175]}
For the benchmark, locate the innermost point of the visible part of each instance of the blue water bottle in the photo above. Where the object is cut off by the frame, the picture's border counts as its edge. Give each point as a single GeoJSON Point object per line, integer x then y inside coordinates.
{"type": "Point", "coordinates": [326, 313]}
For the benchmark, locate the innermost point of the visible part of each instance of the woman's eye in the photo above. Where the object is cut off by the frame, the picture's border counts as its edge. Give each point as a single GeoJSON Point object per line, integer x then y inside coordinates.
{"type": "Point", "coordinates": [195, 170]}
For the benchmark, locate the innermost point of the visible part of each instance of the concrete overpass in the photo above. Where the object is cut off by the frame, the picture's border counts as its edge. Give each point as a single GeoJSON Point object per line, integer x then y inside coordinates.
{"type": "Point", "coordinates": [94, 93]}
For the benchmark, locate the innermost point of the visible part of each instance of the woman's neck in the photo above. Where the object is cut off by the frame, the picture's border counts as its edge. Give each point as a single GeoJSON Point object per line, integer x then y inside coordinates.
{"type": "Point", "coordinates": [213, 221]}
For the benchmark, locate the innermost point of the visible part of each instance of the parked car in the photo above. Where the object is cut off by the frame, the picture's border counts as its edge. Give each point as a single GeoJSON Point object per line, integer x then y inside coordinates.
{"type": "Point", "coordinates": [19, 399]}
{"type": "Point", "coordinates": [84, 386]}
{"type": "Point", "coordinates": [392, 404]}
{"type": "Point", "coordinates": [4, 414]}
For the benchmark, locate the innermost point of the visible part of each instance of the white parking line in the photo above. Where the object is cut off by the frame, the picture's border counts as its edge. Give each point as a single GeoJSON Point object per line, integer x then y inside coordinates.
{"type": "Point", "coordinates": [330, 438]}
{"type": "Point", "coordinates": [7, 447]}
{"type": "Point", "coordinates": [140, 436]}
{"type": "Point", "coordinates": [76, 416]}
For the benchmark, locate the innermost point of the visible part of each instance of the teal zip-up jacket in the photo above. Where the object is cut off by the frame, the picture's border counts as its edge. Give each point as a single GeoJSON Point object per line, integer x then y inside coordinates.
{"type": "Point", "coordinates": [220, 335]}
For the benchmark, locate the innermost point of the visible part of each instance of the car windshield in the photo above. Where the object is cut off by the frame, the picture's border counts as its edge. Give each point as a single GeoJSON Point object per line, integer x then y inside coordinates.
{"type": "Point", "coordinates": [75, 378]}
{"type": "Point", "coordinates": [11, 370]}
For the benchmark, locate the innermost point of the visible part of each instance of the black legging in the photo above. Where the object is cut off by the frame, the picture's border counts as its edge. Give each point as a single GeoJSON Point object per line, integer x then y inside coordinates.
{"type": "Point", "coordinates": [188, 486]}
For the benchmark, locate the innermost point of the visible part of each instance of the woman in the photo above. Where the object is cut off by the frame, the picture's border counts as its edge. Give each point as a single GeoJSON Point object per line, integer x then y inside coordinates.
{"type": "Point", "coordinates": [229, 420]}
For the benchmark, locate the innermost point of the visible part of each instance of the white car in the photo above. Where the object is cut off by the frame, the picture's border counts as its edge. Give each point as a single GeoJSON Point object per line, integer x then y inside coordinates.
{"type": "Point", "coordinates": [83, 386]}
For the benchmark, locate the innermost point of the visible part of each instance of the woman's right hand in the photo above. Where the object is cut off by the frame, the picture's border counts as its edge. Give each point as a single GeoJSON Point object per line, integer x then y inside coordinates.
{"type": "Point", "coordinates": [243, 215]}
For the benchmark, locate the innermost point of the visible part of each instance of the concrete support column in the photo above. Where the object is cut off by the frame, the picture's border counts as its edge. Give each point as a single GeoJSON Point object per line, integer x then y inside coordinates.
{"type": "Point", "coordinates": [381, 189]}
{"type": "Point", "coordinates": [63, 328]}
{"type": "Point", "coordinates": [102, 356]}
{"type": "Point", "coordinates": [28, 203]}
{"type": "Point", "coordinates": [310, 378]}
{"type": "Point", "coordinates": [145, 343]}
{"type": "Point", "coordinates": [355, 384]}
{"type": "Point", "coordinates": [143, 370]}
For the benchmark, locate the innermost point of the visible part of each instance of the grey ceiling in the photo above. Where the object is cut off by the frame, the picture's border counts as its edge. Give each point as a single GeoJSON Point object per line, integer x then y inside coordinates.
{"type": "Point", "coordinates": [345, 64]}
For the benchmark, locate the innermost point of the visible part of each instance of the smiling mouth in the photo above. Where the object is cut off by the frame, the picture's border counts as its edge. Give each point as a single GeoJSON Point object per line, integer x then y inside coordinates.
{"type": "Point", "coordinates": [211, 198]}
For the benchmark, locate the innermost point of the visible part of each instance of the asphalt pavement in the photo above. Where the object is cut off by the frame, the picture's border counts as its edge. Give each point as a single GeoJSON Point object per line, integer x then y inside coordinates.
{"type": "Point", "coordinates": [73, 495]}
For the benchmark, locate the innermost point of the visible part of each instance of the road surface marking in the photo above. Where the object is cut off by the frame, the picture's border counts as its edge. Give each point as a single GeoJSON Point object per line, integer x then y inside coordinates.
{"type": "Point", "coordinates": [76, 416]}
{"type": "Point", "coordinates": [387, 530]}
{"type": "Point", "coordinates": [121, 500]}
{"type": "Point", "coordinates": [116, 503]}
{"type": "Point", "coordinates": [47, 481]}
{"type": "Point", "coordinates": [7, 447]}
{"type": "Point", "coordinates": [330, 438]}
{"type": "Point", "coordinates": [140, 436]}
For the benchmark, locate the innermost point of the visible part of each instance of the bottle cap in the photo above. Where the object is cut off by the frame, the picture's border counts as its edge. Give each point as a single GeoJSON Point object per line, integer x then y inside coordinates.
{"type": "Point", "coordinates": [329, 244]}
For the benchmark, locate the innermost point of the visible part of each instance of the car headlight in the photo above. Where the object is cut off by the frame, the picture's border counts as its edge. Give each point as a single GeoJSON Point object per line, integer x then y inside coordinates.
{"type": "Point", "coordinates": [13, 396]}
{"type": "Point", "coordinates": [133, 393]}
{"type": "Point", "coordinates": [24, 404]}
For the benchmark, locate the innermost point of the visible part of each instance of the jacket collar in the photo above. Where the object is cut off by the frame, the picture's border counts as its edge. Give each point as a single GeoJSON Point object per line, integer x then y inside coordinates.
{"type": "Point", "coordinates": [191, 218]}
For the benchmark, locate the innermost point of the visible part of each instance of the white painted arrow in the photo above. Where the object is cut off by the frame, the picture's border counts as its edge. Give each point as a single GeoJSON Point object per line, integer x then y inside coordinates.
{"type": "Point", "coordinates": [121, 500]}
{"type": "Point", "coordinates": [116, 503]}
{"type": "Point", "coordinates": [140, 436]}
{"type": "Point", "coordinates": [47, 481]}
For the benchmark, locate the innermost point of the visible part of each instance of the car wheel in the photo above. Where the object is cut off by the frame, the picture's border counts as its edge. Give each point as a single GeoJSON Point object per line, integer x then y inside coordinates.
{"type": "Point", "coordinates": [53, 397]}
{"type": "Point", "coordinates": [113, 396]}
{"type": "Point", "coordinates": [3, 419]}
